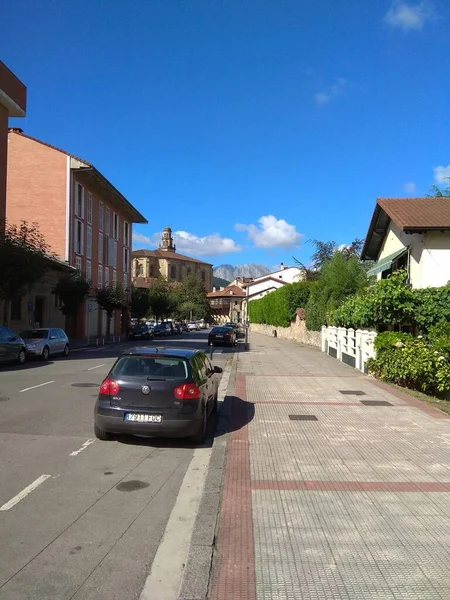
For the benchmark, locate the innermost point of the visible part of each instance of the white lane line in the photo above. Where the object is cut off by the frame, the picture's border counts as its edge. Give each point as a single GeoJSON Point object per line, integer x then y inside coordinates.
{"type": "Point", "coordinates": [36, 386]}
{"type": "Point", "coordinates": [97, 367]}
{"type": "Point", "coordinates": [21, 495]}
{"type": "Point", "coordinates": [164, 580]}
{"type": "Point", "coordinates": [83, 447]}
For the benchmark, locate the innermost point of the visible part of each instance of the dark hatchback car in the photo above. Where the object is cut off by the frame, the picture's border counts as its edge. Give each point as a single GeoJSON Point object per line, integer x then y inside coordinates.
{"type": "Point", "coordinates": [140, 332]}
{"type": "Point", "coordinates": [222, 335]}
{"type": "Point", "coordinates": [161, 330]}
{"type": "Point", "coordinates": [157, 392]}
{"type": "Point", "coordinates": [12, 347]}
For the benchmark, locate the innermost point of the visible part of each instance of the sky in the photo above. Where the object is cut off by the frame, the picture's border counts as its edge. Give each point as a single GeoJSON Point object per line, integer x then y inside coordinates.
{"type": "Point", "coordinates": [251, 127]}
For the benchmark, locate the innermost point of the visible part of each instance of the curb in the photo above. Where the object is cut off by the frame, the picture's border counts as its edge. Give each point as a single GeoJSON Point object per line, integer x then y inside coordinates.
{"type": "Point", "coordinates": [197, 574]}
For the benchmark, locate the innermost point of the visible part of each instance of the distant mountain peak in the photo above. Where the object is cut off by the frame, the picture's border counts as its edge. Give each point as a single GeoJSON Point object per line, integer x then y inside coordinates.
{"type": "Point", "coordinates": [230, 272]}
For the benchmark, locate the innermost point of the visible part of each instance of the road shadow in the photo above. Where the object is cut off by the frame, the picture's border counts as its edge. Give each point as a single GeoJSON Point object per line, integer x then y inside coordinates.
{"type": "Point", "coordinates": [32, 363]}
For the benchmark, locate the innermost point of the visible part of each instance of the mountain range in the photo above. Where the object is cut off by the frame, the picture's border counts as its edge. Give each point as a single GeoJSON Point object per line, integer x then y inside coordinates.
{"type": "Point", "coordinates": [230, 272]}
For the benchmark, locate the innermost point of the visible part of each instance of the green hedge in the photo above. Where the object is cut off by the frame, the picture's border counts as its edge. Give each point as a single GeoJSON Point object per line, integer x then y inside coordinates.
{"type": "Point", "coordinates": [278, 308]}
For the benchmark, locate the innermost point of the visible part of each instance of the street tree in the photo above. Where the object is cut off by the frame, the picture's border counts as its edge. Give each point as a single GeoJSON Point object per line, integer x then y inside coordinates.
{"type": "Point", "coordinates": [140, 302]}
{"type": "Point", "coordinates": [72, 289]}
{"type": "Point", "coordinates": [23, 261]}
{"type": "Point", "coordinates": [160, 298]}
{"type": "Point", "coordinates": [191, 299]}
{"type": "Point", "coordinates": [110, 298]}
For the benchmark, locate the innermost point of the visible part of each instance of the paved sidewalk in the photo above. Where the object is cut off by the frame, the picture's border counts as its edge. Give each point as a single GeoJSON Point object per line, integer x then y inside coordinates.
{"type": "Point", "coordinates": [326, 494]}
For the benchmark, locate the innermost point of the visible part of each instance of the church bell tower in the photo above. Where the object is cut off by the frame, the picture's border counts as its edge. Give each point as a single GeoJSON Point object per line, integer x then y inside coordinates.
{"type": "Point", "coordinates": [167, 240]}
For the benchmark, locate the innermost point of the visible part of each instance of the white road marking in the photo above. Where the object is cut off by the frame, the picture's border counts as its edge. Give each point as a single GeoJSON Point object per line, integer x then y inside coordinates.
{"type": "Point", "coordinates": [21, 495]}
{"type": "Point", "coordinates": [83, 447]}
{"type": "Point", "coordinates": [97, 367]}
{"type": "Point", "coordinates": [36, 386]}
{"type": "Point", "coordinates": [164, 580]}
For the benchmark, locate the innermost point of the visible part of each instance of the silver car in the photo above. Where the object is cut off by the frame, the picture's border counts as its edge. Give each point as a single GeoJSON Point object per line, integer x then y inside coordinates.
{"type": "Point", "coordinates": [45, 342]}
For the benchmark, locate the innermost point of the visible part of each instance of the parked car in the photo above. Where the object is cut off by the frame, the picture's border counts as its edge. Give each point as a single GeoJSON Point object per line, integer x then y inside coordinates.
{"type": "Point", "coordinates": [141, 332]}
{"type": "Point", "coordinates": [235, 326]}
{"type": "Point", "coordinates": [192, 326]}
{"type": "Point", "coordinates": [157, 392]}
{"type": "Point", "coordinates": [160, 330]}
{"type": "Point", "coordinates": [12, 347]}
{"type": "Point", "coordinates": [44, 342]}
{"type": "Point", "coordinates": [169, 326]}
{"type": "Point", "coordinates": [222, 335]}
{"type": "Point", "coordinates": [184, 326]}
{"type": "Point", "coordinates": [177, 328]}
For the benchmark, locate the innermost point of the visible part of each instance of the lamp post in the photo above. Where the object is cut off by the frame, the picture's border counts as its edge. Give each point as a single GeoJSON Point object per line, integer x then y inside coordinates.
{"type": "Point", "coordinates": [246, 317]}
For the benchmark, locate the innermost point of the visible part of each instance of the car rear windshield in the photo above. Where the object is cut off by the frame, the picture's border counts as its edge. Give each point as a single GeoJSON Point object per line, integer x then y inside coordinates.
{"type": "Point", "coordinates": [34, 334]}
{"type": "Point", "coordinates": [220, 330]}
{"type": "Point", "coordinates": [151, 367]}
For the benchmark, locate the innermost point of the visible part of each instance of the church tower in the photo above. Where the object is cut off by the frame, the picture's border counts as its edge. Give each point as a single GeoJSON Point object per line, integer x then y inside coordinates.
{"type": "Point", "coordinates": [167, 240]}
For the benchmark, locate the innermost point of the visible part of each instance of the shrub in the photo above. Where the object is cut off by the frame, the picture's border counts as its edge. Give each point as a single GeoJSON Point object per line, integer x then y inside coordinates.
{"type": "Point", "coordinates": [411, 362]}
{"type": "Point", "coordinates": [278, 308]}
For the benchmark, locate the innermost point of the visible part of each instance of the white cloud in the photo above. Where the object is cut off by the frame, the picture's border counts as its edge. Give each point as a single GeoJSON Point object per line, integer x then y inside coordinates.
{"type": "Point", "coordinates": [410, 187]}
{"type": "Point", "coordinates": [337, 89]}
{"type": "Point", "coordinates": [442, 174]}
{"type": "Point", "coordinates": [409, 16]}
{"type": "Point", "coordinates": [190, 244]}
{"type": "Point", "coordinates": [272, 233]}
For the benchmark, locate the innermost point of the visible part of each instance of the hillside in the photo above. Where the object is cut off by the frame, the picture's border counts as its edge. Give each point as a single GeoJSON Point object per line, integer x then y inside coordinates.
{"type": "Point", "coordinates": [230, 272]}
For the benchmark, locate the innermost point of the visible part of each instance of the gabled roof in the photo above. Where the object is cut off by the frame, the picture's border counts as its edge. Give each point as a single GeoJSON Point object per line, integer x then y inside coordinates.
{"type": "Point", "coordinates": [167, 254]}
{"type": "Point", "coordinates": [265, 278]}
{"type": "Point", "coordinates": [229, 291]}
{"type": "Point", "coordinates": [86, 169]}
{"type": "Point", "coordinates": [411, 215]}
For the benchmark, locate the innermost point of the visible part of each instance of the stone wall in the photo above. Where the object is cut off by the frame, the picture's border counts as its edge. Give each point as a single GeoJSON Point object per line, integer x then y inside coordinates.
{"type": "Point", "coordinates": [297, 332]}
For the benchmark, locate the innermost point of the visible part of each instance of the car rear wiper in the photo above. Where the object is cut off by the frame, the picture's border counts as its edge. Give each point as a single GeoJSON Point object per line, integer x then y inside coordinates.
{"type": "Point", "coordinates": [156, 379]}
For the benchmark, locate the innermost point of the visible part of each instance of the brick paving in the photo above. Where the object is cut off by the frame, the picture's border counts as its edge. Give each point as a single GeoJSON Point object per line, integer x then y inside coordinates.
{"type": "Point", "coordinates": [353, 505]}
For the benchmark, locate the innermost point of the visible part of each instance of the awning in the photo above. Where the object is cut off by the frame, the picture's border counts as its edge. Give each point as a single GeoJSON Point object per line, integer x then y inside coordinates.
{"type": "Point", "coordinates": [386, 263]}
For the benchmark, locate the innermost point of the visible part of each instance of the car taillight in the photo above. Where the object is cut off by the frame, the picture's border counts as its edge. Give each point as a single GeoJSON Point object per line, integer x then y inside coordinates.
{"type": "Point", "coordinates": [187, 391]}
{"type": "Point", "coordinates": [109, 387]}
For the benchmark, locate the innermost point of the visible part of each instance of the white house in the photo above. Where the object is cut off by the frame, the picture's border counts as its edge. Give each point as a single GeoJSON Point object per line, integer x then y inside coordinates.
{"type": "Point", "coordinates": [410, 233]}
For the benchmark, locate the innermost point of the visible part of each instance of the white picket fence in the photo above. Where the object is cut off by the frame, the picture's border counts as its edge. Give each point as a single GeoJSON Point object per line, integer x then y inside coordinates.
{"type": "Point", "coordinates": [349, 346]}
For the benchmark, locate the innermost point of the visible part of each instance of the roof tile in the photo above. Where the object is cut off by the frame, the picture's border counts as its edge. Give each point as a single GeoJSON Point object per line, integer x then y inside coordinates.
{"type": "Point", "coordinates": [417, 213]}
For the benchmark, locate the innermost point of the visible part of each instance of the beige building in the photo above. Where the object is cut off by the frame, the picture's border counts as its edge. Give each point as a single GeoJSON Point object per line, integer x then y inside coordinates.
{"type": "Point", "coordinates": [166, 262]}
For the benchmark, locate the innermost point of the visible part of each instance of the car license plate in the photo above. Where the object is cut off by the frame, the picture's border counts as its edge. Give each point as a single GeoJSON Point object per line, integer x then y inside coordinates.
{"type": "Point", "coordinates": [219, 336]}
{"type": "Point", "coordinates": [143, 418]}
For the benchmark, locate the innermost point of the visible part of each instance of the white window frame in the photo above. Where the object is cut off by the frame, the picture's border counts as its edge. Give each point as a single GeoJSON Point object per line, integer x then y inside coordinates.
{"type": "Point", "coordinates": [79, 208]}
{"type": "Point", "coordinates": [106, 275]}
{"type": "Point", "coordinates": [112, 253]}
{"type": "Point", "coordinates": [116, 226]}
{"type": "Point", "coordinates": [89, 208]}
{"type": "Point", "coordinates": [100, 247]}
{"type": "Point", "coordinates": [88, 270]}
{"type": "Point", "coordinates": [125, 281]}
{"type": "Point", "coordinates": [107, 221]}
{"type": "Point", "coordinates": [78, 243]}
{"type": "Point", "coordinates": [100, 216]}
{"type": "Point", "coordinates": [126, 233]}
{"type": "Point", "coordinates": [126, 260]}
{"type": "Point", "coordinates": [88, 241]}
{"type": "Point", "coordinates": [114, 277]}
{"type": "Point", "coordinates": [78, 263]}
{"type": "Point", "coordinates": [100, 276]}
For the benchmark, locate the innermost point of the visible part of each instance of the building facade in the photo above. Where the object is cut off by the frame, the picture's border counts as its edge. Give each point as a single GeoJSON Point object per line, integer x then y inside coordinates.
{"type": "Point", "coordinates": [168, 263]}
{"type": "Point", "coordinates": [227, 304]}
{"type": "Point", "coordinates": [85, 220]}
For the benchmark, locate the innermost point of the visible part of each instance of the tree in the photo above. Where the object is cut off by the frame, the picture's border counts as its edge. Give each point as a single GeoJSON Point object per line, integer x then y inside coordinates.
{"type": "Point", "coordinates": [324, 252]}
{"type": "Point", "coordinates": [190, 297]}
{"type": "Point", "coordinates": [23, 261]}
{"type": "Point", "coordinates": [110, 298]}
{"type": "Point", "coordinates": [72, 289]}
{"type": "Point", "coordinates": [438, 193]}
{"type": "Point", "coordinates": [140, 302]}
{"type": "Point", "coordinates": [160, 298]}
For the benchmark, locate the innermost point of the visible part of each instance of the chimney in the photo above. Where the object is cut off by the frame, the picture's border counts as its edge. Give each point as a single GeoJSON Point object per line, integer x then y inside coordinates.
{"type": "Point", "coordinates": [214, 289]}
{"type": "Point", "coordinates": [282, 267]}
{"type": "Point", "coordinates": [16, 130]}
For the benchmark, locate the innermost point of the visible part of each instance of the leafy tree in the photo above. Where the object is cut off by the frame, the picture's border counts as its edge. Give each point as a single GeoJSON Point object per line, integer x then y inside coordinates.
{"type": "Point", "coordinates": [72, 289]}
{"type": "Point", "coordinates": [23, 261]}
{"type": "Point", "coordinates": [110, 298]}
{"type": "Point", "coordinates": [140, 302]}
{"type": "Point", "coordinates": [438, 193]}
{"type": "Point", "coordinates": [191, 295]}
{"type": "Point", "coordinates": [160, 298]}
{"type": "Point", "coordinates": [278, 308]}
{"type": "Point", "coordinates": [323, 253]}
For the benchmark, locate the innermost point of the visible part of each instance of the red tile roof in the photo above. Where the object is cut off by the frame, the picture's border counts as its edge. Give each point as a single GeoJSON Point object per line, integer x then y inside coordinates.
{"type": "Point", "coordinates": [169, 255]}
{"type": "Point", "coordinates": [231, 290]}
{"type": "Point", "coordinates": [417, 213]}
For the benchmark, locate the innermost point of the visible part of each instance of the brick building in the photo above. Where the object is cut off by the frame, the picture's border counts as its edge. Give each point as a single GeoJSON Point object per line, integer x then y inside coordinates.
{"type": "Point", "coordinates": [166, 262]}
{"type": "Point", "coordinates": [85, 220]}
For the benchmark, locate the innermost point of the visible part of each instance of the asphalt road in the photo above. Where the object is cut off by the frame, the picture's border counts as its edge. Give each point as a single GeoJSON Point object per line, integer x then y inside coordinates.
{"type": "Point", "coordinates": [89, 515]}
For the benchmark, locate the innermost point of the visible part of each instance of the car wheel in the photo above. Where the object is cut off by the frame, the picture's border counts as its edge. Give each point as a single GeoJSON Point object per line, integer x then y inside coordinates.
{"type": "Point", "coordinates": [199, 437]}
{"type": "Point", "coordinates": [66, 350]}
{"type": "Point", "coordinates": [45, 353]}
{"type": "Point", "coordinates": [100, 434]}
{"type": "Point", "coordinates": [21, 357]}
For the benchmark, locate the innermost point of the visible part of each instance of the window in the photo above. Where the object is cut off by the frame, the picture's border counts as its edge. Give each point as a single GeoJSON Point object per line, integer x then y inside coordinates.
{"type": "Point", "coordinates": [89, 208]}
{"type": "Point", "coordinates": [106, 276]}
{"type": "Point", "coordinates": [114, 276]}
{"type": "Point", "coordinates": [79, 200]}
{"type": "Point", "coordinates": [107, 221]}
{"type": "Point", "coordinates": [78, 263]}
{"type": "Point", "coordinates": [16, 309]}
{"type": "Point", "coordinates": [203, 274]}
{"type": "Point", "coordinates": [112, 253]}
{"type": "Point", "coordinates": [173, 272]}
{"type": "Point", "coordinates": [88, 270]}
{"type": "Point", "coordinates": [126, 258]}
{"type": "Point", "coordinates": [78, 237]}
{"type": "Point", "coordinates": [89, 241]}
{"type": "Point", "coordinates": [125, 281]}
{"type": "Point", "coordinates": [100, 276]}
{"type": "Point", "coordinates": [100, 216]}
{"type": "Point", "coordinates": [115, 226]}
{"type": "Point", "coordinates": [100, 247]}
{"type": "Point", "coordinates": [126, 233]}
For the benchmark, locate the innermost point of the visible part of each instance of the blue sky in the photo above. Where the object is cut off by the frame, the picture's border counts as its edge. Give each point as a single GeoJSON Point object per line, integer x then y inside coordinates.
{"type": "Point", "coordinates": [249, 126]}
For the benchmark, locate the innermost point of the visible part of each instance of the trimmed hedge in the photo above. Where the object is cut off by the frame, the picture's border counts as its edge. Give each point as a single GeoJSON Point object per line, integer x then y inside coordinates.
{"type": "Point", "coordinates": [278, 308]}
